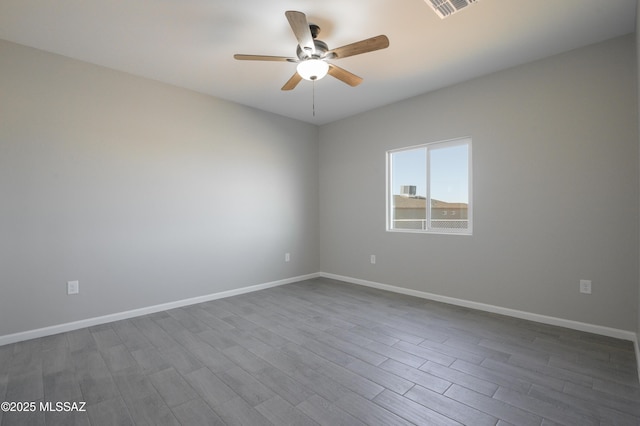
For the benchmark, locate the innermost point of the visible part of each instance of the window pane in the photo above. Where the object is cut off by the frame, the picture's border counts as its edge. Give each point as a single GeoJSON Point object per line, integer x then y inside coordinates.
{"type": "Point", "coordinates": [429, 188]}
{"type": "Point", "coordinates": [449, 186]}
{"type": "Point", "coordinates": [409, 189]}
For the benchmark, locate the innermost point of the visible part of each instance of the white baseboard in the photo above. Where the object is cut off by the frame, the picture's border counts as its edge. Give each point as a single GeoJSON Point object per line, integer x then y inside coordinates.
{"type": "Point", "coordinates": [90, 322]}
{"type": "Point", "coordinates": [544, 319]}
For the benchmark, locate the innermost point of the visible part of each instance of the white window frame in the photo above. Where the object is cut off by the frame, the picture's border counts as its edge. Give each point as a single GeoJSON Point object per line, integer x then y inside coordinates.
{"type": "Point", "coordinates": [428, 229]}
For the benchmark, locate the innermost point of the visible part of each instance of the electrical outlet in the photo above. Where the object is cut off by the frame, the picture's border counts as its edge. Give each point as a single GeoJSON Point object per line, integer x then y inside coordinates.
{"type": "Point", "coordinates": [585, 286]}
{"type": "Point", "coordinates": [287, 257]}
{"type": "Point", "coordinates": [73, 287]}
{"type": "Point", "coordinates": [373, 259]}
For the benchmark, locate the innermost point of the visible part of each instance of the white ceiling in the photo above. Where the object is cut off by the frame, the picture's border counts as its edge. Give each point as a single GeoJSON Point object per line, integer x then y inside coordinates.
{"type": "Point", "coordinates": [190, 43]}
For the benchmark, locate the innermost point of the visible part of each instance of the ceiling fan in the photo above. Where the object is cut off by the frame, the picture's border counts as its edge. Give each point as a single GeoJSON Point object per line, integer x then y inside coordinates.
{"type": "Point", "coordinates": [313, 54]}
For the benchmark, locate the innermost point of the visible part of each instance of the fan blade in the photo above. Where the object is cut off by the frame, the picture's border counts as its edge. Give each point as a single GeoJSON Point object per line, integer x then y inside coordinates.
{"type": "Point", "coordinates": [263, 58]}
{"type": "Point", "coordinates": [300, 27]}
{"type": "Point", "coordinates": [344, 75]}
{"type": "Point", "coordinates": [292, 83]}
{"type": "Point", "coordinates": [363, 46]}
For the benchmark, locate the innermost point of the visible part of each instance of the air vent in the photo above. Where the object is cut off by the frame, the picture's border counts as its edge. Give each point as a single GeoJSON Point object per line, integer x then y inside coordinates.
{"type": "Point", "coordinates": [444, 8]}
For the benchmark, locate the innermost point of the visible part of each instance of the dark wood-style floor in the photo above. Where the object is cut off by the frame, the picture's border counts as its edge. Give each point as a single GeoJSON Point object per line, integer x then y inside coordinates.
{"type": "Point", "coordinates": [323, 352]}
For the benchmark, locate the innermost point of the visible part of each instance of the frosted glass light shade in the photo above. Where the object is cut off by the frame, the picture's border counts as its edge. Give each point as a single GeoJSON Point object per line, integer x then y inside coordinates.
{"type": "Point", "coordinates": [313, 69]}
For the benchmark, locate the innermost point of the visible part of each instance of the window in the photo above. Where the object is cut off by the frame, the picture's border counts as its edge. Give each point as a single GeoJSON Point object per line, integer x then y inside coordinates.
{"type": "Point", "coordinates": [429, 188]}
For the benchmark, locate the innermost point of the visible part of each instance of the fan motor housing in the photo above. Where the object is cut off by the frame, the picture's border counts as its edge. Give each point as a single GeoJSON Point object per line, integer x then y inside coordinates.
{"type": "Point", "coordinates": [321, 50]}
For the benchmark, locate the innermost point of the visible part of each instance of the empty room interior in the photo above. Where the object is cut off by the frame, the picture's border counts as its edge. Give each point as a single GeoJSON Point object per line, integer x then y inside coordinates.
{"type": "Point", "coordinates": [440, 225]}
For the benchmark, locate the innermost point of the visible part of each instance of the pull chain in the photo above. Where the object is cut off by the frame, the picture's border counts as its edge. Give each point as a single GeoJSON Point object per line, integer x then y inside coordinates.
{"type": "Point", "coordinates": [314, 98]}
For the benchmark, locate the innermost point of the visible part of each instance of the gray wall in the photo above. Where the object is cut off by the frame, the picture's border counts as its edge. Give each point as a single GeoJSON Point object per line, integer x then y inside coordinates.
{"type": "Point", "coordinates": [147, 193]}
{"type": "Point", "coordinates": [638, 87]}
{"type": "Point", "coordinates": [143, 192]}
{"type": "Point", "coordinates": [558, 135]}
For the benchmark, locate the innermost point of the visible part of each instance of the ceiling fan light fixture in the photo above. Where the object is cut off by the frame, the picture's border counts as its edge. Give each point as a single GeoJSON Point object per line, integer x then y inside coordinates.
{"type": "Point", "coordinates": [312, 54]}
{"type": "Point", "coordinates": [313, 69]}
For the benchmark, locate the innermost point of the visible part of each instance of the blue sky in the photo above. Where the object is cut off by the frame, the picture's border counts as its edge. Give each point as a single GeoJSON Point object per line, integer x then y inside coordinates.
{"type": "Point", "coordinates": [449, 172]}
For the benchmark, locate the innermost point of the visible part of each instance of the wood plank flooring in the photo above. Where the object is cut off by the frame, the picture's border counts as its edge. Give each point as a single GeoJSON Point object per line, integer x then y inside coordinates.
{"type": "Point", "coordinates": [322, 352]}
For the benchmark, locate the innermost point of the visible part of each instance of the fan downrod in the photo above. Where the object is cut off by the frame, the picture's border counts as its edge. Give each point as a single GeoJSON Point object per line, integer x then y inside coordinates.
{"type": "Point", "coordinates": [315, 30]}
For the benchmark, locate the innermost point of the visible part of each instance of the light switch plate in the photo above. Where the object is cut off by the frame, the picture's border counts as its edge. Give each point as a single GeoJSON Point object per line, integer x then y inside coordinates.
{"type": "Point", "coordinates": [585, 286]}
{"type": "Point", "coordinates": [73, 287]}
